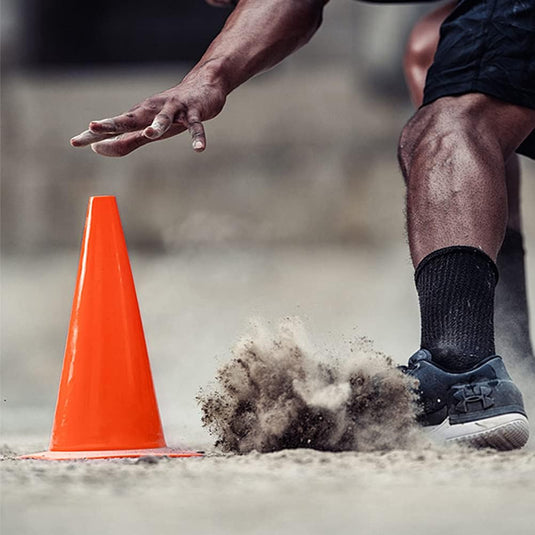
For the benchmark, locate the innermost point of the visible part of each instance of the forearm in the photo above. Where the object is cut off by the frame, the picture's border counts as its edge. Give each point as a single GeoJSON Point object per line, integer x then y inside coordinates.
{"type": "Point", "coordinates": [258, 35]}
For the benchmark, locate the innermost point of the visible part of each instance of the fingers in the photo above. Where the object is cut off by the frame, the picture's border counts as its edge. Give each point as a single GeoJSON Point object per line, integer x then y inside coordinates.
{"type": "Point", "coordinates": [87, 137]}
{"type": "Point", "coordinates": [158, 127]}
{"type": "Point", "coordinates": [162, 122]}
{"type": "Point", "coordinates": [126, 143]}
{"type": "Point", "coordinates": [196, 129]}
{"type": "Point", "coordinates": [120, 145]}
{"type": "Point", "coordinates": [120, 135]}
{"type": "Point", "coordinates": [126, 122]}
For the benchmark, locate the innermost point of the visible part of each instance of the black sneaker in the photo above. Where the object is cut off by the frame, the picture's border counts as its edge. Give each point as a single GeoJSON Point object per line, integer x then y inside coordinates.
{"type": "Point", "coordinates": [481, 407]}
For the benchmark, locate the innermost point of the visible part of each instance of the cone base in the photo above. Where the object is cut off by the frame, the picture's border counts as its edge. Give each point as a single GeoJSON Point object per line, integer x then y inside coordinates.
{"type": "Point", "coordinates": [109, 454]}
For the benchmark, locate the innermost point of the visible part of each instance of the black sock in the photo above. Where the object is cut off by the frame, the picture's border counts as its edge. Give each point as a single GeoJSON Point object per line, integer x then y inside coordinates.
{"type": "Point", "coordinates": [456, 291]}
{"type": "Point", "coordinates": [511, 314]}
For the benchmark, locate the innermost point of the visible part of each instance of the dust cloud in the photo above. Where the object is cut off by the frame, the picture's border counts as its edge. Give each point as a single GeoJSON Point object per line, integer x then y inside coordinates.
{"type": "Point", "coordinates": [278, 393]}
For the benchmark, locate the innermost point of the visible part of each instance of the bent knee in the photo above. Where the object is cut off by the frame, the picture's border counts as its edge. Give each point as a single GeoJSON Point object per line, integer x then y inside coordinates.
{"type": "Point", "coordinates": [476, 122]}
{"type": "Point", "coordinates": [440, 129]}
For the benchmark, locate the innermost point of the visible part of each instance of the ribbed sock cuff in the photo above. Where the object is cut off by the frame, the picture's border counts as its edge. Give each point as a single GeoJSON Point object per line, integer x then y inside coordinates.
{"type": "Point", "coordinates": [465, 249]}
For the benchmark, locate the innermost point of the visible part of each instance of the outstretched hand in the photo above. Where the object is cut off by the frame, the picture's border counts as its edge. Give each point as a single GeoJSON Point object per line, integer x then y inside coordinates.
{"type": "Point", "coordinates": [183, 107]}
{"type": "Point", "coordinates": [252, 41]}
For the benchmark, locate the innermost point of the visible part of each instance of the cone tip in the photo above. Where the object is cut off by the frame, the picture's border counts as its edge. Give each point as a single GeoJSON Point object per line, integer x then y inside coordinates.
{"type": "Point", "coordinates": [95, 197]}
{"type": "Point", "coordinates": [102, 201]}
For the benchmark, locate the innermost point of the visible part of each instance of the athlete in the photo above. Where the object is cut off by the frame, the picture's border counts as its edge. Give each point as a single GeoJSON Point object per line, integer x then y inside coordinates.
{"type": "Point", "coordinates": [474, 86]}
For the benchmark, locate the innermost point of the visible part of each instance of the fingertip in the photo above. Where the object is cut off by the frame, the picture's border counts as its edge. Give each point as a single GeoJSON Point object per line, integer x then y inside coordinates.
{"type": "Point", "coordinates": [110, 148]}
{"type": "Point", "coordinates": [151, 133]}
{"type": "Point", "coordinates": [198, 145]}
{"type": "Point", "coordinates": [79, 141]}
{"type": "Point", "coordinates": [101, 149]}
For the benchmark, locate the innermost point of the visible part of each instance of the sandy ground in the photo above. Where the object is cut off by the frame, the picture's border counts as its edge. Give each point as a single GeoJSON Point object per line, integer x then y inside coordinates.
{"type": "Point", "coordinates": [297, 492]}
{"type": "Point", "coordinates": [212, 294]}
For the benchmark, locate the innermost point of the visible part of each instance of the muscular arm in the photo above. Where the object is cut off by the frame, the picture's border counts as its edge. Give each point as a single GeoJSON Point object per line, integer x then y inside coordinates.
{"type": "Point", "coordinates": [257, 35]}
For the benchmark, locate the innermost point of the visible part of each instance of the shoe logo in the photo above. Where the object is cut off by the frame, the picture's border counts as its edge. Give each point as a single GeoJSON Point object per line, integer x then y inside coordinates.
{"type": "Point", "coordinates": [467, 395]}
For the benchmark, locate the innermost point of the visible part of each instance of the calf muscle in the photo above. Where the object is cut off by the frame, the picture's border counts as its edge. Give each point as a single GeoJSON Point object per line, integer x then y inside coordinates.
{"type": "Point", "coordinates": [452, 154]}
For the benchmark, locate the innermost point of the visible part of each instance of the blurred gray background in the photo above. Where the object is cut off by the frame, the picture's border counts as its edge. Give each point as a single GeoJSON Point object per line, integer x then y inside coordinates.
{"type": "Point", "coordinates": [295, 208]}
{"type": "Point", "coordinates": [288, 158]}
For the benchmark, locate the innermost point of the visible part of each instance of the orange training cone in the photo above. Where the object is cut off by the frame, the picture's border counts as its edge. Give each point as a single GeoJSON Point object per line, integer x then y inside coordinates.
{"type": "Point", "coordinates": [106, 404]}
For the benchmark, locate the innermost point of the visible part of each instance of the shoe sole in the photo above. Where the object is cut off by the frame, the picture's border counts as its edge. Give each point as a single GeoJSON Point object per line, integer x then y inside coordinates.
{"type": "Point", "coordinates": [504, 432]}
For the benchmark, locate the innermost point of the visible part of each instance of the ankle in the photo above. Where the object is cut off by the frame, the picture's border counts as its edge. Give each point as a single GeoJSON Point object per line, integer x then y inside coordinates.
{"type": "Point", "coordinates": [456, 292]}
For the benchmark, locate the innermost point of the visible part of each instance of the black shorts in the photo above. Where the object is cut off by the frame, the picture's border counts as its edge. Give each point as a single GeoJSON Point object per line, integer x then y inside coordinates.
{"type": "Point", "coordinates": [487, 46]}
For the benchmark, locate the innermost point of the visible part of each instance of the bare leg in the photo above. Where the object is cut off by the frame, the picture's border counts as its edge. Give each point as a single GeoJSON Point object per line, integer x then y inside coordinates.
{"type": "Point", "coordinates": [511, 312]}
{"type": "Point", "coordinates": [418, 57]}
{"type": "Point", "coordinates": [453, 154]}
